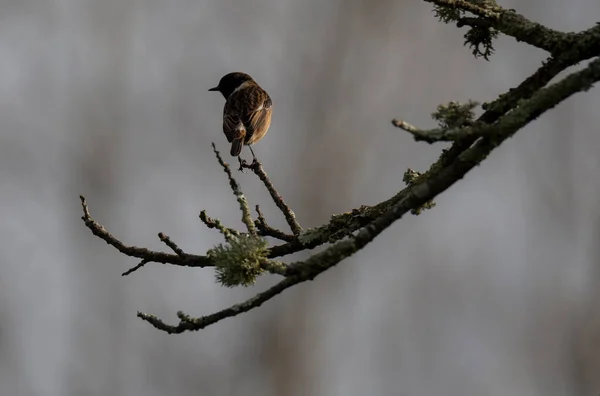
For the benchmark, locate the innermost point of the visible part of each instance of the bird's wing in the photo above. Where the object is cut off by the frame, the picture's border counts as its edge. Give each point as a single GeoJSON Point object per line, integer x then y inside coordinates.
{"type": "Point", "coordinates": [247, 111]}
{"type": "Point", "coordinates": [232, 123]}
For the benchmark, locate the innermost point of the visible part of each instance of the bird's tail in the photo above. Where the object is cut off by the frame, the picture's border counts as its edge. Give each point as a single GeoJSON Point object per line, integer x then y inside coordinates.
{"type": "Point", "coordinates": [236, 146]}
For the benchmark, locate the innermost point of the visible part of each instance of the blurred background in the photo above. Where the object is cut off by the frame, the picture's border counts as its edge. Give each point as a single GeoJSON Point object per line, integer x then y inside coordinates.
{"type": "Point", "coordinates": [495, 291]}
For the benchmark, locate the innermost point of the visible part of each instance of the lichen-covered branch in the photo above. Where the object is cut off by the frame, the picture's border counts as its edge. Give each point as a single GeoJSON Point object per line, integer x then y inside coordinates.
{"type": "Point", "coordinates": [187, 323]}
{"type": "Point", "coordinates": [167, 241]}
{"type": "Point", "coordinates": [527, 110]}
{"type": "Point", "coordinates": [481, 8]}
{"type": "Point", "coordinates": [588, 46]}
{"type": "Point", "coordinates": [246, 255]}
{"type": "Point", "coordinates": [237, 191]}
{"type": "Point", "coordinates": [188, 260]}
{"type": "Point", "coordinates": [410, 128]}
{"type": "Point", "coordinates": [289, 214]}
{"type": "Point", "coordinates": [216, 223]}
{"type": "Point", "coordinates": [488, 15]}
{"type": "Point", "coordinates": [416, 195]}
{"type": "Point", "coordinates": [264, 229]}
{"type": "Point", "coordinates": [455, 120]}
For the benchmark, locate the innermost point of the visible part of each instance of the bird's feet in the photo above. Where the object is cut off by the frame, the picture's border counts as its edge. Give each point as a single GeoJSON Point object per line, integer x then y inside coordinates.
{"type": "Point", "coordinates": [245, 165]}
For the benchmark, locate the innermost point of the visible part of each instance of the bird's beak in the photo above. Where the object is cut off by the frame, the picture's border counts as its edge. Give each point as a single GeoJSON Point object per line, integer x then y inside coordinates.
{"type": "Point", "coordinates": [214, 89]}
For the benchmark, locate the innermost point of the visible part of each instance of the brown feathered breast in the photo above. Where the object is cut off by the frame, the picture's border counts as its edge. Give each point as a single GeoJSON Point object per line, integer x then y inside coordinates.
{"type": "Point", "coordinates": [247, 110]}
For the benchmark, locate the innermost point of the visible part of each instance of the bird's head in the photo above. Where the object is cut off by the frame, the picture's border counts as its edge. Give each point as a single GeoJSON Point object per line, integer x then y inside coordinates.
{"type": "Point", "coordinates": [230, 82]}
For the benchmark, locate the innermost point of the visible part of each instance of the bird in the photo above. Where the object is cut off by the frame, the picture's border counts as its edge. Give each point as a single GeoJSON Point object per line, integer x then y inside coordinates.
{"type": "Point", "coordinates": [247, 111]}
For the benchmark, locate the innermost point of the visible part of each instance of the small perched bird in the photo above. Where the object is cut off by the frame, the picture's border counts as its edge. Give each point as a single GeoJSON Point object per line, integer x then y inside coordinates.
{"type": "Point", "coordinates": [247, 111]}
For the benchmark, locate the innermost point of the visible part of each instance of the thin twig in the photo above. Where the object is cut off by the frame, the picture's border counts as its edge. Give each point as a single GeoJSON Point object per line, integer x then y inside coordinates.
{"type": "Point", "coordinates": [265, 229]}
{"type": "Point", "coordinates": [187, 323]}
{"type": "Point", "coordinates": [167, 241]}
{"type": "Point", "coordinates": [289, 214]}
{"type": "Point", "coordinates": [405, 126]}
{"type": "Point", "coordinates": [216, 223]}
{"type": "Point", "coordinates": [137, 267]}
{"type": "Point", "coordinates": [188, 260]}
{"type": "Point", "coordinates": [441, 134]}
{"type": "Point", "coordinates": [237, 191]}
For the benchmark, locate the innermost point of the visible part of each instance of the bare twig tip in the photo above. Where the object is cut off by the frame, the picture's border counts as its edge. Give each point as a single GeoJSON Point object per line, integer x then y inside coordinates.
{"type": "Point", "coordinates": [167, 241]}
{"type": "Point", "coordinates": [137, 267]}
{"type": "Point", "coordinates": [84, 207]}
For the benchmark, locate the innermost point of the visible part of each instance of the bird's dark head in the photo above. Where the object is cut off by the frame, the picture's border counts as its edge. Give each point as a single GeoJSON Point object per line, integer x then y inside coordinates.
{"type": "Point", "coordinates": [230, 82]}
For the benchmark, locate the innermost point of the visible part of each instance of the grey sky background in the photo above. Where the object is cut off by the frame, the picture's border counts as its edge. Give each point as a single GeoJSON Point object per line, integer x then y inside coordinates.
{"type": "Point", "coordinates": [493, 292]}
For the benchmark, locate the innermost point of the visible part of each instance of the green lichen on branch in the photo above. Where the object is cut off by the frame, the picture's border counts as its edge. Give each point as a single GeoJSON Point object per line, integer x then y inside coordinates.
{"type": "Point", "coordinates": [345, 224]}
{"type": "Point", "coordinates": [481, 35]}
{"type": "Point", "coordinates": [455, 114]}
{"type": "Point", "coordinates": [410, 176]}
{"type": "Point", "coordinates": [245, 256]}
{"type": "Point", "coordinates": [310, 235]}
{"type": "Point", "coordinates": [341, 225]}
{"type": "Point", "coordinates": [239, 261]}
{"type": "Point", "coordinates": [227, 233]}
{"type": "Point", "coordinates": [452, 10]}
{"type": "Point", "coordinates": [487, 20]}
{"type": "Point", "coordinates": [447, 14]}
{"type": "Point", "coordinates": [481, 41]}
{"type": "Point", "coordinates": [337, 228]}
{"type": "Point", "coordinates": [237, 191]}
{"type": "Point", "coordinates": [413, 177]}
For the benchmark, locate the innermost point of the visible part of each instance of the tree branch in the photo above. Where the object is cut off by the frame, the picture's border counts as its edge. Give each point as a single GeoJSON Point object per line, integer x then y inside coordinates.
{"type": "Point", "coordinates": [246, 255]}
{"type": "Point", "coordinates": [289, 214]}
{"type": "Point", "coordinates": [588, 46]}
{"type": "Point", "coordinates": [527, 111]}
{"type": "Point", "coordinates": [216, 223]}
{"type": "Point", "coordinates": [506, 21]}
{"type": "Point", "coordinates": [187, 323]}
{"type": "Point", "coordinates": [265, 229]}
{"type": "Point", "coordinates": [237, 191]}
{"type": "Point", "coordinates": [167, 241]}
{"type": "Point", "coordinates": [189, 260]}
